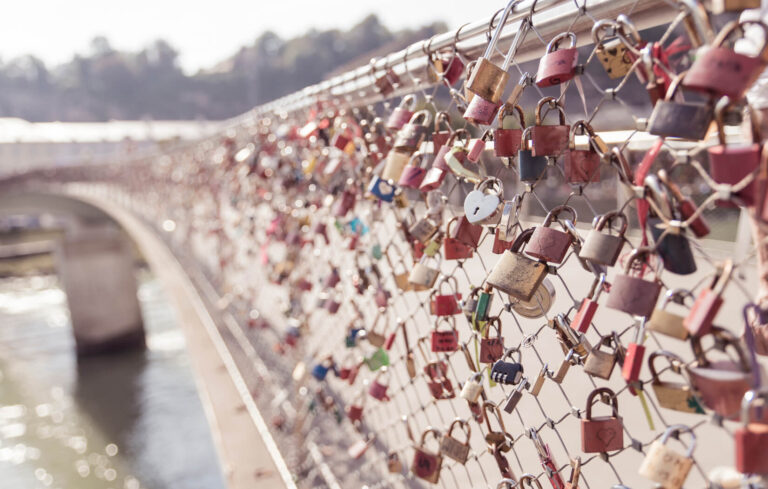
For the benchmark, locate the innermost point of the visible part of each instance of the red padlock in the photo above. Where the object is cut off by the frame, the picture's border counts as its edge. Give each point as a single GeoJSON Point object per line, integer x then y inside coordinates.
{"type": "Point", "coordinates": [378, 388]}
{"type": "Point", "coordinates": [606, 433]}
{"type": "Point", "coordinates": [345, 203]}
{"type": "Point", "coordinates": [464, 231]}
{"type": "Point", "coordinates": [402, 113]}
{"type": "Point", "coordinates": [703, 312]}
{"type": "Point", "coordinates": [453, 249]}
{"type": "Point", "coordinates": [551, 245]}
{"type": "Point", "coordinates": [500, 246]}
{"type": "Point", "coordinates": [446, 340]}
{"type": "Point", "coordinates": [481, 111]}
{"type": "Point", "coordinates": [414, 172]}
{"type": "Point", "coordinates": [440, 138]}
{"type": "Point", "coordinates": [426, 465]}
{"type": "Point", "coordinates": [721, 71]}
{"type": "Point", "coordinates": [491, 348]}
{"type": "Point", "coordinates": [732, 164]}
{"type": "Point", "coordinates": [506, 142]}
{"type": "Point", "coordinates": [633, 361]}
{"type": "Point", "coordinates": [549, 140]}
{"type": "Point", "coordinates": [582, 166]}
{"type": "Point", "coordinates": [478, 146]}
{"type": "Point", "coordinates": [439, 384]}
{"type": "Point", "coordinates": [588, 307]}
{"type": "Point", "coordinates": [558, 65]}
{"type": "Point", "coordinates": [448, 66]}
{"type": "Point", "coordinates": [751, 438]}
{"type": "Point", "coordinates": [355, 409]}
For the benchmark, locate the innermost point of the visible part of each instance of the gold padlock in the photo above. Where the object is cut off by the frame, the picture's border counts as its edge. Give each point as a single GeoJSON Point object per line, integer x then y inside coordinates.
{"type": "Point", "coordinates": [453, 448]}
{"type": "Point", "coordinates": [423, 277]}
{"type": "Point", "coordinates": [669, 323]}
{"type": "Point", "coordinates": [515, 274]}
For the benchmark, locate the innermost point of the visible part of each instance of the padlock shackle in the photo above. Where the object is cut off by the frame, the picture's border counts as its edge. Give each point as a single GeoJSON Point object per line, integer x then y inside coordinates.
{"type": "Point", "coordinates": [723, 275]}
{"type": "Point", "coordinates": [464, 426]}
{"type": "Point", "coordinates": [750, 397]}
{"type": "Point", "coordinates": [512, 350]}
{"type": "Point", "coordinates": [641, 253]}
{"type": "Point", "coordinates": [674, 361]}
{"type": "Point", "coordinates": [553, 103]}
{"type": "Point", "coordinates": [495, 322]}
{"type": "Point", "coordinates": [521, 239]}
{"type": "Point", "coordinates": [506, 483]}
{"type": "Point", "coordinates": [600, 26]}
{"type": "Point", "coordinates": [721, 106]}
{"type": "Point", "coordinates": [602, 390]}
{"type": "Point", "coordinates": [554, 44]}
{"type": "Point", "coordinates": [608, 219]}
{"type": "Point", "coordinates": [555, 213]}
{"type": "Point", "coordinates": [442, 116]}
{"type": "Point", "coordinates": [422, 117]}
{"type": "Point", "coordinates": [457, 133]}
{"type": "Point", "coordinates": [728, 339]}
{"type": "Point", "coordinates": [421, 157]}
{"type": "Point", "coordinates": [586, 129]}
{"type": "Point", "coordinates": [678, 429]}
{"type": "Point", "coordinates": [450, 319]}
{"type": "Point", "coordinates": [728, 29]}
{"type": "Point", "coordinates": [675, 295]}
{"type": "Point", "coordinates": [409, 102]}
{"type": "Point", "coordinates": [430, 430]}
{"type": "Point", "coordinates": [486, 404]}
{"type": "Point", "coordinates": [499, 28]}
{"type": "Point", "coordinates": [530, 480]}
{"type": "Point", "coordinates": [508, 109]}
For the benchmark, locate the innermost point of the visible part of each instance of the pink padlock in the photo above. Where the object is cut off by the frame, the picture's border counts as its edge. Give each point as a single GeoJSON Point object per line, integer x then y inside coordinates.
{"type": "Point", "coordinates": [402, 113]}
{"type": "Point", "coordinates": [378, 388]}
{"type": "Point", "coordinates": [478, 146]}
{"type": "Point", "coordinates": [481, 111]}
{"type": "Point", "coordinates": [558, 65]}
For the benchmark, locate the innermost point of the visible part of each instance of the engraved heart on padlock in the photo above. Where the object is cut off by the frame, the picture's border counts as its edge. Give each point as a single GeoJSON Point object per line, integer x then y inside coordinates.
{"type": "Point", "coordinates": [605, 435]}
{"type": "Point", "coordinates": [385, 188]}
{"type": "Point", "coordinates": [479, 206]}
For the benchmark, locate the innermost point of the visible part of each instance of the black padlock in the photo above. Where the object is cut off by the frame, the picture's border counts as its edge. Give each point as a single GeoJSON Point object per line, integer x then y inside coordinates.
{"type": "Point", "coordinates": [674, 249]}
{"type": "Point", "coordinates": [504, 372]}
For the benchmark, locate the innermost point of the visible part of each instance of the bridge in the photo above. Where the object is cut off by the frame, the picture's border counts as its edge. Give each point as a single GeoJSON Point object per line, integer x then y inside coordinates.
{"type": "Point", "coordinates": [270, 275]}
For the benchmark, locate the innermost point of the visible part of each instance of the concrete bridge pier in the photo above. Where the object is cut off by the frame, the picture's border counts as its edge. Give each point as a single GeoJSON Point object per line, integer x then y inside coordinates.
{"type": "Point", "coordinates": [95, 266]}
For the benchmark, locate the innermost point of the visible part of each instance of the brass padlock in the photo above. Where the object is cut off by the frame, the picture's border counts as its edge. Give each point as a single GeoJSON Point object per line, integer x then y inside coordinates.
{"type": "Point", "coordinates": [516, 274]}
{"type": "Point", "coordinates": [672, 395]}
{"type": "Point", "coordinates": [600, 363]}
{"type": "Point", "coordinates": [614, 54]}
{"type": "Point", "coordinates": [603, 247]}
{"type": "Point", "coordinates": [669, 323]}
{"type": "Point", "coordinates": [453, 448]}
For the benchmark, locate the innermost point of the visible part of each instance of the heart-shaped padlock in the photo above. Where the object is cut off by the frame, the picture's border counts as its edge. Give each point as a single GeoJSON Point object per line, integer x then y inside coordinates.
{"type": "Point", "coordinates": [481, 206]}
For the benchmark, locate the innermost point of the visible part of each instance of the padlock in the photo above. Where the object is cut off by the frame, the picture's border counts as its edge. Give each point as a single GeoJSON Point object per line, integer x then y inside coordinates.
{"type": "Point", "coordinates": [496, 440]}
{"type": "Point", "coordinates": [605, 433]}
{"type": "Point", "coordinates": [669, 323]}
{"type": "Point", "coordinates": [699, 320]}
{"type": "Point", "coordinates": [601, 247]}
{"type": "Point", "coordinates": [500, 246]}
{"type": "Point", "coordinates": [341, 137]}
{"type": "Point", "coordinates": [423, 229]}
{"type": "Point", "coordinates": [472, 388]}
{"type": "Point", "coordinates": [581, 166]}
{"type": "Point", "coordinates": [414, 172]}
{"type": "Point", "coordinates": [423, 277]}
{"type": "Point", "coordinates": [751, 438]}
{"type": "Point", "coordinates": [382, 189]}
{"type": "Point", "coordinates": [549, 140]}
{"type": "Point", "coordinates": [395, 164]}
{"type": "Point", "coordinates": [720, 6]}
{"type": "Point", "coordinates": [442, 303]}
{"type": "Point", "coordinates": [732, 163]}
{"type": "Point", "coordinates": [530, 168]}
{"type": "Point", "coordinates": [378, 359]}
{"type": "Point", "coordinates": [719, 71]}
{"type": "Point", "coordinates": [491, 348]}
{"type": "Point", "coordinates": [514, 397]}
{"type": "Point", "coordinates": [506, 142]}
{"type": "Point", "coordinates": [529, 481]}
{"type": "Point", "coordinates": [684, 120]}
{"type": "Point", "coordinates": [478, 146]}
{"type": "Point", "coordinates": [633, 360]}
{"type": "Point", "coordinates": [394, 464]}
{"type": "Point", "coordinates": [453, 249]}
{"type": "Point", "coordinates": [540, 303]}
{"type": "Point", "coordinates": [439, 384]}
{"type": "Point", "coordinates": [721, 384]}
{"type": "Point", "coordinates": [481, 112]}
{"type": "Point", "coordinates": [685, 206]}
{"type": "Point", "coordinates": [444, 340]}
{"type": "Point", "coordinates": [464, 231]}
{"type": "Point", "coordinates": [600, 363]}
{"type": "Point", "coordinates": [483, 204]}
{"type": "Point", "coordinates": [320, 369]}
{"type": "Point", "coordinates": [374, 337]}
{"type": "Point", "coordinates": [673, 395]}
{"type": "Point", "coordinates": [332, 279]}
{"type": "Point", "coordinates": [509, 373]}
{"type": "Point", "coordinates": [558, 65]}
{"type": "Point", "coordinates": [634, 295]}
{"type": "Point", "coordinates": [573, 480]}
{"type": "Point", "coordinates": [378, 388]}
{"type": "Point", "coordinates": [410, 136]}
{"type": "Point", "coordinates": [666, 466]}
{"type": "Point", "coordinates": [516, 274]}
{"type": "Point", "coordinates": [426, 465]}
{"type": "Point", "coordinates": [614, 54]}
{"type": "Point", "coordinates": [402, 113]}
{"type": "Point", "coordinates": [486, 79]}
{"type": "Point", "coordinates": [386, 83]}
{"type": "Point", "coordinates": [440, 163]}
{"type": "Point", "coordinates": [672, 245]}
{"type": "Point", "coordinates": [345, 203]}
{"type": "Point", "coordinates": [457, 156]}
{"type": "Point", "coordinates": [551, 245]}
{"type": "Point", "coordinates": [453, 448]}
{"type": "Point", "coordinates": [356, 407]}
{"type": "Point", "coordinates": [448, 66]}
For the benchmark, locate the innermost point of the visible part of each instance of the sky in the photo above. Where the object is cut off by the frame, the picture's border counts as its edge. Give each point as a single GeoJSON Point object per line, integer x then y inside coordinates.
{"type": "Point", "coordinates": [205, 32]}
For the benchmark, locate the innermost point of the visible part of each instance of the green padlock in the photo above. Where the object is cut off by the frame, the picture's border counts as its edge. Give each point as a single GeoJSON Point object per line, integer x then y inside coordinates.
{"type": "Point", "coordinates": [378, 359]}
{"type": "Point", "coordinates": [483, 306]}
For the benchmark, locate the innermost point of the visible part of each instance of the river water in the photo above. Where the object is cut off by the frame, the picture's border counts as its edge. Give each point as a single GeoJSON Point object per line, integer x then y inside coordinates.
{"type": "Point", "coordinates": [124, 421]}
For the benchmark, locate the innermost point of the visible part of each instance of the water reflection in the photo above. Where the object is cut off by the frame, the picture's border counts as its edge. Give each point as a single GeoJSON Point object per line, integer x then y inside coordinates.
{"type": "Point", "coordinates": [126, 421]}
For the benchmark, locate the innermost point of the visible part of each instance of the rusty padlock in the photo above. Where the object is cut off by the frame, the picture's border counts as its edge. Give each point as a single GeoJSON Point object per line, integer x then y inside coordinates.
{"type": "Point", "coordinates": [402, 113]}
{"type": "Point", "coordinates": [631, 294]}
{"type": "Point", "coordinates": [603, 247]}
{"type": "Point", "coordinates": [426, 464]}
{"type": "Point", "coordinates": [516, 274]}
{"type": "Point", "coordinates": [453, 448]}
{"type": "Point", "coordinates": [506, 142]}
{"type": "Point", "coordinates": [551, 245]}
{"type": "Point", "coordinates": [679, 119]}
{"type": "Point", "coordinates": [558, 65]}
{"type": "Point", "coordinates": [549, 140]}
{"type": "Point", "coordinates": [719, 71]}
{"type": "Point", "coordinates": [677, 396]}
{"type": "Point", "coordinates": [491, 348]}
{"type": "Point", "coordinates": [582, 166]}
{"type": "Point", "coordinates": [605, 433]}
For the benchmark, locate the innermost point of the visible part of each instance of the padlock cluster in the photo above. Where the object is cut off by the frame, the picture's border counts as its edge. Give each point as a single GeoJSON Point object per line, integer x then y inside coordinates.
{"type": "Point", "coordinates": [459, 339]}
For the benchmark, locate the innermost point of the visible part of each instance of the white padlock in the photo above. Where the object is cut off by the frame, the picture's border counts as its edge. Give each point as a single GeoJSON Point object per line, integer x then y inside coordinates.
{"type": "Point", "coordinates": [666, 466]}
{"type": "Point", "coordinates": [473, 387]}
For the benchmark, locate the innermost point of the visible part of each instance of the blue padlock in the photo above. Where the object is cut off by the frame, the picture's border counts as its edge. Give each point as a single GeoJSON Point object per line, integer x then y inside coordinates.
{"type": "Point", "coordinates": [382, 189]}
{"type": "Point", "coordinates": [530, 167]}
{"type": "Point", "coordinates": [351, 340]}
{"type": "Point", "coordinates": [320, 370]}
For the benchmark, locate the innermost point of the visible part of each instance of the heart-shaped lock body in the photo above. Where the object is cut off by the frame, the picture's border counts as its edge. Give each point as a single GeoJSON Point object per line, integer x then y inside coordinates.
{"type": "Point", "coordinates": [481, 206]}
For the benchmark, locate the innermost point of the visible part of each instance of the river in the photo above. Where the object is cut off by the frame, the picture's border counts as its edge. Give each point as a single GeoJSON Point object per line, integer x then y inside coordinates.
{"type": "Point", "coordinates": [124, 421]}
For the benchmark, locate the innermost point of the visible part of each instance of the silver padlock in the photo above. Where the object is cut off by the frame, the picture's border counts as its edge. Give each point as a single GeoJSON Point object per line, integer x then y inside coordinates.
{"type": "Point", "coordinates": [601, 246]}
{"type": "Point", "coordinates": [516, 395]}
{"type": "Point", "coordinates": [423, 277]}
{"type": "Point", "coordinates": [666, 466]}
{"type": "Point", "coordinates": [482, 205]}
{"type": "Point", "coordinates": [473, 387]}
